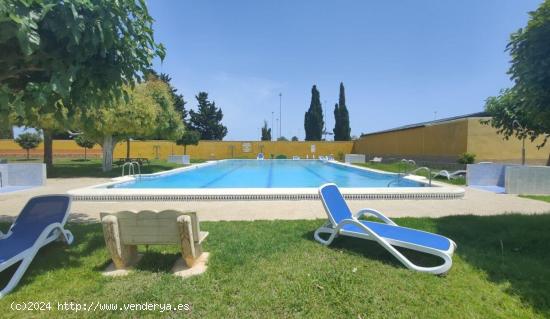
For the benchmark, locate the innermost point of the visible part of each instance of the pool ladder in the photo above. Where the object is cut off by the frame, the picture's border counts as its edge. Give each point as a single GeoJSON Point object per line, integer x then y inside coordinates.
{"type": "Point", "coordinates": [411, 162]}
{"type": "Point", "coordinates": [131, 170]}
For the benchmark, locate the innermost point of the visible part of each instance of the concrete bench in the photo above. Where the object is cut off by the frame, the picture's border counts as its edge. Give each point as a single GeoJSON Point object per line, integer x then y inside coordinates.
{"type": "Point", "coordinates": [124, 230]}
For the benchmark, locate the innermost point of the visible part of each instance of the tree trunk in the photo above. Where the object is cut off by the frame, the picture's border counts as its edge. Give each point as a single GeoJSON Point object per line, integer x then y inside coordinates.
{"type": "Point", "coordinates": [184, 149]}
{"type": "Point", "coordinates": [48, 148]}
{"type": "Point", "coordinates": [107, 150]}
{"type": "Point", "coordinates": [27, 154]}
{"type": "Point", "coordinates": [85, 153]}
{"type": "Point", "coordinates": [127, 149]}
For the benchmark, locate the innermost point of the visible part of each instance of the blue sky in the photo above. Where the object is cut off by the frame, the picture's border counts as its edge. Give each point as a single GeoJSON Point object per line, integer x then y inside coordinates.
{"type": "Point", "coordinates": [400, 61]}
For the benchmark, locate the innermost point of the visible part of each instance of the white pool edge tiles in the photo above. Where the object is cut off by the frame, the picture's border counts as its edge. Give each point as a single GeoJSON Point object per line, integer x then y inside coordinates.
{"type": "Point", "coordinates": [102, 193]}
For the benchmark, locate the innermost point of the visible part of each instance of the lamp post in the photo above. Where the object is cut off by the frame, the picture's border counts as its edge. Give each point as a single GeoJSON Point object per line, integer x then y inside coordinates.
{"type": "Point", "coordinates": [272, 131]}
{"type": "Point", "coordinates": [277, 125]}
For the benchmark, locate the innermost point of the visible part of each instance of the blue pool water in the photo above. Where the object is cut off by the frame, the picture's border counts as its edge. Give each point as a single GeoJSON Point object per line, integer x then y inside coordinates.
{"type": "Point", "coordinates": [269, 174]}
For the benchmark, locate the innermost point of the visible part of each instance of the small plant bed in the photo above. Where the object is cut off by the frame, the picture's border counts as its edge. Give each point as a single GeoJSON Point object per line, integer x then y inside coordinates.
{"type": "Point", "coordinates": [274, 269]}
{"type": "Point", "coordinates": [398, 167]}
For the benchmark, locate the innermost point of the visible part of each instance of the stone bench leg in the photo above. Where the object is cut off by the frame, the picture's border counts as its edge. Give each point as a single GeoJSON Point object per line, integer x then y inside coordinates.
{"type": "Point", "coordinates": [123, 256]}
{"type": "Point", "coordinates": [188, 251]}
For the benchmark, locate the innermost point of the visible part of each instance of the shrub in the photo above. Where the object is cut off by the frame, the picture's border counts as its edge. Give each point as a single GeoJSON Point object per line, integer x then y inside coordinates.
{"type": "Point", "coordinates": [28, 141]}
{"type": "Point", "coordinates": [84, 142]}
{"type": "Point", "coordinates": [281, 156]}
{"type": "Point", "coordinates": [295, 139]}
{"type": "Point", "coordinates": [466, 158]}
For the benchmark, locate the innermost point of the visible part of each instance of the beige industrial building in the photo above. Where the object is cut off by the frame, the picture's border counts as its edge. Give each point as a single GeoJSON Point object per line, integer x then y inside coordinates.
{"type": "Point", "coordinates": [445, 139]}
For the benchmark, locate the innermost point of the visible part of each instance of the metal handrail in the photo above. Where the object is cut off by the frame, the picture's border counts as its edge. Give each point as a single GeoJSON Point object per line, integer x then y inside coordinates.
{"type": "Point", "coordinates": [131, 169]}
{"type": "Point", "coordinates": [426, 169]}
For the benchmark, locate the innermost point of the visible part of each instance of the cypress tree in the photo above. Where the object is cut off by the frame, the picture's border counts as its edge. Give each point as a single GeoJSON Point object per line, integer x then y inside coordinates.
{"type": "Point", "coordinates": [342, 130]}
{"type": "Point", "coordinates": [337, 127]}
{"type": "Point", "coordinates": [313, 119]}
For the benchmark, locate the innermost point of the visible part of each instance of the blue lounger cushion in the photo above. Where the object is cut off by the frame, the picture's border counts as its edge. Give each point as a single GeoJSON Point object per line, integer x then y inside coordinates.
{"type": "Point", "coordinates": [403, 234]}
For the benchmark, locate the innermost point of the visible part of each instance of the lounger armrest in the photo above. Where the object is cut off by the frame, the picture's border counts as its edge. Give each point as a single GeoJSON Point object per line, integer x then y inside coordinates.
{"type": "Point", "coordinates": [375, 213]}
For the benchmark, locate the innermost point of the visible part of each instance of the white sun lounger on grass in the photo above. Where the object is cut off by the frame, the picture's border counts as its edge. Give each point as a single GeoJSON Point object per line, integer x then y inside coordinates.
{"type": "Point", "coordinates": [41, 221]}
{"type": "Point", "coordinates": [452, 175]}
{"type": "Point", "coordinates": [388, 234]}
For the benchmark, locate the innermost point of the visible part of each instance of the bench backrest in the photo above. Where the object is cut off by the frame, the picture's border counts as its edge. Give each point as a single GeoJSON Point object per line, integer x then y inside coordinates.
{"type": "Point", "coordinates": [150, 227]}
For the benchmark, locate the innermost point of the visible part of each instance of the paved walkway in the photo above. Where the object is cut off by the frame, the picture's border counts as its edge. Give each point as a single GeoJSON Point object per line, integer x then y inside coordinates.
{"type": "Point", "coordinates": [475, 202]}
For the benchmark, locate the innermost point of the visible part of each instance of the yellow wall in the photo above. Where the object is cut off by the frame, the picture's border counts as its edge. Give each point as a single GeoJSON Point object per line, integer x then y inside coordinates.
{"type": "Point", "coordinates": [61, 147]}
{"type": "Point", "coordinates": [205, 149]}
{"type": "Point", "coordinates": [444, 140]}
{"type": "Point", "coordinates": [232, 149]}
{"type": "Point", "coordinates": [484, 141]}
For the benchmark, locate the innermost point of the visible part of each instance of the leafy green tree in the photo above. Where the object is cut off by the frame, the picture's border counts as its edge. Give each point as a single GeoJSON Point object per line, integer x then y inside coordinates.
{"type": "Point", "coordinates": [266, 132]}
{"type": "Point", "coordinates": [179, 102]}
{"type": "Point", "coordinates": [524, 110]}
{"type": "Point", "coordinates": [342, 129]}
{"type": "Point", "coordinates": [282, 138]}
{"type": "Point", "coordinates": [189, 138]}
{"type": "Point", "coordinates": [207, 119]}
{"type": "Point", "coordinates": [148, 112]}
{"type": "Point", "coordinates": [295, 139]}
{"type": "Point", "coordinates": [313, 119]}
{"type": "Point", "coordinates": [28, 141]}
{"type": "Point", "coordinates": [84, 142]}
{"type": "Point", "coordinates": [59, 56]}
{"type": "Point", "coordinates": [6, 129]}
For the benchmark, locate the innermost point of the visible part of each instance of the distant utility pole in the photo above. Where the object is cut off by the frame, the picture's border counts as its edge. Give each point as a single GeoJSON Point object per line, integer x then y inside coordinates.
{"type": "Point", "coordinates": [277, 123]}
{"type": "Point", "coordinates": [435, 115]}
{"type": "Point", "coordinates": [280, 112]}
{"type": "Point", "coordinates": [272, 131]}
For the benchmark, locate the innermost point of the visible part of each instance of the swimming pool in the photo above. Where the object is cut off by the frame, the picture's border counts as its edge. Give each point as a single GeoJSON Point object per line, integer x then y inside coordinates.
{"type": "Point", "coordinates": [265, 180]}
{"type": "Point", "coordinates": [271, 174]}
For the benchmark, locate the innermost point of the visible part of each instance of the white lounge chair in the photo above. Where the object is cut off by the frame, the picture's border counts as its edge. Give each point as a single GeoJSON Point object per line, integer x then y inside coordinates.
{"type": "Point", "coordinates": [41, 221]}
{"type": "Point", "coordinates": [450, 176]}
{"type": "Point", "coordinates": [295, 157]}
{"type": "Point", "coordinates": [260, 156]}
{"type": "Point", "coordinates": [388, 234]}
{"type": "Point", "coordinates": [376, 160]}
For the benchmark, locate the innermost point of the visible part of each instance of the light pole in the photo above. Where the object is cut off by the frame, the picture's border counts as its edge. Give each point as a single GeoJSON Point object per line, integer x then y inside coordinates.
{"type": "Point", "coordinates": [280, 112]}
{"type": "Point", "coordinates": [277, 125]}
{"type": "Point", "coordinates": [272, 131]}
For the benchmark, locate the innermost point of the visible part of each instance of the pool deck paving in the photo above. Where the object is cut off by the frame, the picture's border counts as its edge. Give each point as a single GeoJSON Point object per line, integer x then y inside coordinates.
{"type": "Point", "coordinates": [475, 202]}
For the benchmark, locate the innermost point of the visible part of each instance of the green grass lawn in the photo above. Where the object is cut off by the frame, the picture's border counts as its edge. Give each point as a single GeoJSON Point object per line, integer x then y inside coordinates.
{"type": "Point", "coordinates": [544, 198]}
{"type": "Point", "coordinates": [274, 269]}
{"type": "Point", "coordinates": [398, 167]}
{"type": "Point", "coordinates": [68, 168]}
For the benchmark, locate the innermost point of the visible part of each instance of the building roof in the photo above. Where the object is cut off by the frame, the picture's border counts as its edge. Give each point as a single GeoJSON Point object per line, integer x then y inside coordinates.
{"type": "Point", "coordinates": [428, 123]}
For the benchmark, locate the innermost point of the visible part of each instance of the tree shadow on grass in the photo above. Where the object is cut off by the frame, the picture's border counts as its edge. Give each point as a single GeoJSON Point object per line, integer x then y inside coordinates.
{"type": "Point", "coordinates": [511, 249]}
{"type": "Point", "coordinates": [58, 255]}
